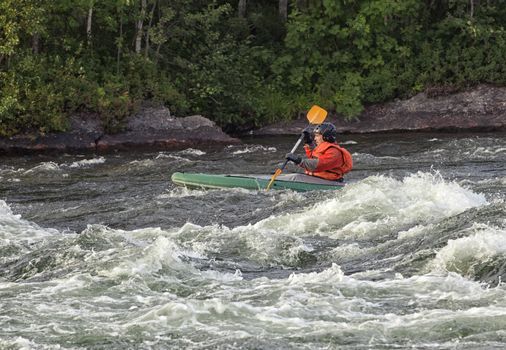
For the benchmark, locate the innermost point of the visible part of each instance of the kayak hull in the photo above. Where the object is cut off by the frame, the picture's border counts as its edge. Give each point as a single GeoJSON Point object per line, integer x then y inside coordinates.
{"type": "Point", "coordinates": [295, 182]}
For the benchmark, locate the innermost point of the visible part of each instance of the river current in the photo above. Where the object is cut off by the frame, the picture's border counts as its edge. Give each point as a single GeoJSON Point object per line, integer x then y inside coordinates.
{"type": "Point", "coordinates": [102, 251]}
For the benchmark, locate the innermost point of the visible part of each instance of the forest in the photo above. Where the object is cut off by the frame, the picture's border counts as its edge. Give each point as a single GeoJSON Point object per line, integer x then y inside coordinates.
{"type": "Point", "coordinates": [241, 63]}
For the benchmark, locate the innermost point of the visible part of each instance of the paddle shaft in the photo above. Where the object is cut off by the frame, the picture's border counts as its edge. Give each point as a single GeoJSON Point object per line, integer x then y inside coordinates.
{"type": "Point", "coordinates": [280, 170]}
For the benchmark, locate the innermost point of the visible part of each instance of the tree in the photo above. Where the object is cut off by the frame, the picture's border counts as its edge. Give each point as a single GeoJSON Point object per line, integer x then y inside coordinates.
{"type": "Point", "coordinates": [89, 22]}
{"type": "Point", "coordinates": [139, 25]}
{"type": "Point", "coordinates": [242, 8]}
{"type": "Point", "coordinates": [19, 19]}
{"type": "Point", "coordinates": [283, 10]}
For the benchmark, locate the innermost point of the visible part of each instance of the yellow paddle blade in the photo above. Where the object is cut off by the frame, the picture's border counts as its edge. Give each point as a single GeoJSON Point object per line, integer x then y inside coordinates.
{"type": "Point", "coordinates": [278, 171]}
{"type": "Point", "coordinates": [316, 115]}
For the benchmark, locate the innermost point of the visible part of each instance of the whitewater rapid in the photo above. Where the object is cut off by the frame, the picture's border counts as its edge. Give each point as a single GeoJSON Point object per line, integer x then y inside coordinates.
{"type": "Point", "coordinates": [102, 252]}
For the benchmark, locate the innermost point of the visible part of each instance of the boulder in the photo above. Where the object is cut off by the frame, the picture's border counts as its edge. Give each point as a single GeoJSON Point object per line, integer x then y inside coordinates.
{"type": "Point", "coordinates": [196, 121]}
{"type": "Point", "coordinates": [153, 119]}
{"type": "Point", "coordinates": [149, 128]}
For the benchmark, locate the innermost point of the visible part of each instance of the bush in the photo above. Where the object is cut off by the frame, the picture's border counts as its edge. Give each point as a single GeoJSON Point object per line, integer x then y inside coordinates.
{"type": "Point", "coordinates": [32, 97]}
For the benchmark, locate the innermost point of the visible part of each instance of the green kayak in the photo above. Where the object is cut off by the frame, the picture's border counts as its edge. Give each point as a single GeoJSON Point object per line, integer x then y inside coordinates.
{"type": "Point", "coordinates": [296, 182]}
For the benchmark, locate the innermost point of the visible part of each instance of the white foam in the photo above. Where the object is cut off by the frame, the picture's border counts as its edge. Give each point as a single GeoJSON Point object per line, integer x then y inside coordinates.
{"type": "Point", "coordinates": [349, 142]}
{"type": "Point", "coordinates": [378, 205]}
{"type": "Point", "coordinates": [20, 343]}
{"type": "Point", "coordinates": [222, 277]}
{"type": "Point", "coordinates": [160, 253]}
{"type": "Point", "coordinates": [467, 254]}
{"type": "Point", "coordinates": [374, 208]}
{"type": "Point", "coordinates": [192, 151]}
{"type": "Point", "coordinates": [182, 192]}
{"type": "Point", "coordinates": [413, 231]}
{"type": "Point", "coordinates": [281, 198]}
{"type": "Point", "coordinates": [366, 157]}
{"type": "Point", "coordinates": [489, 181]}
{"type": "Point", "coordinates": [143, 163]}
{"type": "Point", "coordinates": [162, 155]}
{"type": "Point", "coordinates": [15, 229]}
{"type": "Point", "coordinates": [334, 274]}
{"type": "Point", "coordinates": [487, 152]}
{"type": "Point", "coordinates": [255, 148]}
{"type": "Point", "coordinates": [87, 162]}
{"type": "Point", "coordinates": [44, 167]}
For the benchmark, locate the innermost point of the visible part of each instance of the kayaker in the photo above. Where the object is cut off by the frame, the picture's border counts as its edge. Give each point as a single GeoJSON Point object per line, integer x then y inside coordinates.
{"type": "Point", "coordinates": [327, 159]}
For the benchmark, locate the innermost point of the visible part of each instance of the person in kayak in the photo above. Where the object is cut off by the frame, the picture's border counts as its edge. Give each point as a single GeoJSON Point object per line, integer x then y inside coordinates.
{"type": "Point", "coordinates": [327, 159]}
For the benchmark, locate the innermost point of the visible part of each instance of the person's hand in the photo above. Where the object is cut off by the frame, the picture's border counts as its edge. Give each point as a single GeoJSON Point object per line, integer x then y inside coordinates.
{"type": "Point", "coordinates": [294, 158]}
{"type": "Point", "coordinates": [308, 138]}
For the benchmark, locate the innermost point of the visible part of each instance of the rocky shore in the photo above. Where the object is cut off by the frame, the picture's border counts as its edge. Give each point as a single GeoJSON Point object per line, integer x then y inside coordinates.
{"type": "Point", "coordinates": [482, 108]}
{"type": "Point", "coordinates": [149, 128]}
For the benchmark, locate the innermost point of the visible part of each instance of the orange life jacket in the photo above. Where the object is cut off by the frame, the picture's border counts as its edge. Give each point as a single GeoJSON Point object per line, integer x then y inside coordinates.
{"type": "Point", "coordinates": [330, 165]}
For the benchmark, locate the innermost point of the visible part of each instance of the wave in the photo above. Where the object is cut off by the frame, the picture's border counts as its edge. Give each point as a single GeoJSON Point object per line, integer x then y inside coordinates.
{"type": "Point", "coordinates": [54, 167]}
{"type": "Point", "coordinates": [15, 229]}
{"type": "Point", "coordinates": [192, 152]}
{"type": "Point", "coordinates": [87, 162]}
{"type": "Point", "coordinates": [44, 167]}
{"type": "Point", "coordinates": [380, 205]}
{"type": "Point", "coordinates": [377, 221]}
{"type": "Point", "coordinates": [472, 149]}
{"type": "Point", "coordinates": [373, 211]}
{"type": "Point", "coordinates": [480, 254]}
{"type": "Point", "coordinates": [254, 149]}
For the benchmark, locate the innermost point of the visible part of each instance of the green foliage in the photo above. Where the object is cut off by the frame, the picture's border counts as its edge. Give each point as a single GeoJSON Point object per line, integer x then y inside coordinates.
{"type": "Point", "coordinates": [199, 57]}
{"type": "Point", "coordinates": [349, 96]}
{"type": "Point", "coordinates": [32, 97]}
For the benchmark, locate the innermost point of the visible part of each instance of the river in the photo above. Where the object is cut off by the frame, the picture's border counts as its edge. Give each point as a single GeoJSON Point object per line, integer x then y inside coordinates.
{"type": "Point", "coordinates": [101, 251]}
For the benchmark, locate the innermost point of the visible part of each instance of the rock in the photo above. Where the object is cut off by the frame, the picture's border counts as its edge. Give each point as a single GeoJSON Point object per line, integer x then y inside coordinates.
{"type": "Point", "coordinates": [480, 108]}
{"type": "Point", "coordinates": [156, 128]}
{"type": "Point", "coordinates": [86, 124]}
{"type": "Point", "coordinates": [167, 139]}
{"type": "Point", "coordinates": [153, 119]}
{"type": "Point", "coordinates": [196, 121]}
{"type": "Point", "coordinates": [61, 142]}
{"type": "Point", "coordinates": [150, 128]}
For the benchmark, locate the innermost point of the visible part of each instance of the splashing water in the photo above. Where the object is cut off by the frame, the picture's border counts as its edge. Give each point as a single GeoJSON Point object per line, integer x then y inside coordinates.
{"type": "Point", "coordinates": [410, 253]}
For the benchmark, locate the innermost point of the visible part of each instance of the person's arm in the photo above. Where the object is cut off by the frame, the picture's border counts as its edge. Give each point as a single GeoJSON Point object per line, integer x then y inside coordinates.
{"type": "Point", "coordinates": [309, 163]}
{"type": "Point", "coordinates": [308, 150]}
{"type": "Point", "coordinates": [330, 159]}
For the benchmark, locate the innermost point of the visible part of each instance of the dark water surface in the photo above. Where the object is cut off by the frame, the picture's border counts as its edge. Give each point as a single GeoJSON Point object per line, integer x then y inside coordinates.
{"type": "Point", "coordinates": [102, 251]}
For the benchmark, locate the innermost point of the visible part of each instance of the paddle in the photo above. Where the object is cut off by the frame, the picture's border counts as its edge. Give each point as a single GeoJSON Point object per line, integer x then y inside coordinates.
{"type": "Point", "coordinates": [316, 115]}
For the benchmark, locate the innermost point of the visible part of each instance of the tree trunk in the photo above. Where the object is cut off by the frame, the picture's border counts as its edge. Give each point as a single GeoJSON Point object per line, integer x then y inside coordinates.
{"type": "Point", "coordinates": [140, 22]}
{"type": "Point", "coordinates": [471, 3]}
{"type": "Point", "coordinates": [36, 43]}
{"type": "Point", "coordinates": [283, 10]}
{"type": "Point", "coordinates": [151, 15]}
{"type": "Point", "coordinates": [88, 23]}
{"type": "Point", "coordinates": [242, 8]}
{"type": "Point", "coordinates": [120, 42]}
{"type": "Point", "coordinates": [157, 54]}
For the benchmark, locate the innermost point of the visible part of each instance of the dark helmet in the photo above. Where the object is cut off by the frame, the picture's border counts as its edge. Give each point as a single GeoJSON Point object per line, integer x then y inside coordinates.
{"type": "Point", "coordinates": [328, 131]}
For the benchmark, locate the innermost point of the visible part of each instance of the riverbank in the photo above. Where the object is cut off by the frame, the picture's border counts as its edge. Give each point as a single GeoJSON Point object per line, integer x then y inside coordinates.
{"type": "Point", "coordinates": [482, 108]}
{"type": "Point", "coordinates": [151, 127]}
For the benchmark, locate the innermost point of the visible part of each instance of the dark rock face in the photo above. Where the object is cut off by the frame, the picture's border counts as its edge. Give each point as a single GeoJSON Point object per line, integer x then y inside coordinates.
{"type": "Point", "coordinates": [481, 108]}
{"type": "Point", "coordinates": [150, 128]}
